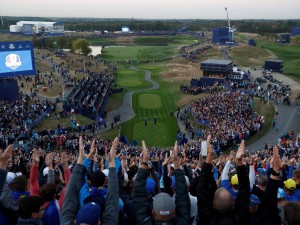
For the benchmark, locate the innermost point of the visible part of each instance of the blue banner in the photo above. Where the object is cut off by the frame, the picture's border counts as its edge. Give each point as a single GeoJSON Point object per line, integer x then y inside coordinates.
{"type": "Point", "coordinates": [16, 58]}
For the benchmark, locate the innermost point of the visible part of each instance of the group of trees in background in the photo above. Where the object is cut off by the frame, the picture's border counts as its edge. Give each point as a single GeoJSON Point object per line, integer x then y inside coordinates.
{"type": "Point", "coordinates": [93, 24]}
{"type": "Point", "coordinates": [80, 45]}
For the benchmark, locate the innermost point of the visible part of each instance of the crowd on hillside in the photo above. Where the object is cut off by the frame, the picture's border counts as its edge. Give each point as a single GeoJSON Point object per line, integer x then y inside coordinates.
{"type": "Point", "coordinates": [195, 90]}
{"type": "Point", "coordinates": [90, 92]}
{"type": "Point", "coordinates": [147, 61]}
{"type": "Point", "coordinates": [17, 117]}
{"type": "Point", "coordinates": [228, 115]}
{"type": "Point", "coordinates": [109, 182]}
{"type": "Point", "coordinates": [195, 51]}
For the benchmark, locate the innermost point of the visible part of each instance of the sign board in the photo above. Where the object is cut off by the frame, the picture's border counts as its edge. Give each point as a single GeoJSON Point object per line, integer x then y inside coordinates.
{"type": "Point", "coordinates": [16, 58]}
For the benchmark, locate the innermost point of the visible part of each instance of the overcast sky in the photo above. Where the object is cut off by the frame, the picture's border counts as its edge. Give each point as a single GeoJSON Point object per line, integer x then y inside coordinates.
{"type": "Point", "coordinates": [155, 9]}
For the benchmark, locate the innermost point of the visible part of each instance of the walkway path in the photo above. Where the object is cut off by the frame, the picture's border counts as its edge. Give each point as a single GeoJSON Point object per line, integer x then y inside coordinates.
{"type": "Point", "coordinates": [288, 120]}
{"type": "Point", "coordinates": [125, 110]}
{"type": "Point", "coordinates": [287, 116]}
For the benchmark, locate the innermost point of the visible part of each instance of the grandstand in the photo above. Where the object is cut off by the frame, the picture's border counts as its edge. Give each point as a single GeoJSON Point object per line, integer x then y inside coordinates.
{"type": "Point", "coordinates": [38, 27]}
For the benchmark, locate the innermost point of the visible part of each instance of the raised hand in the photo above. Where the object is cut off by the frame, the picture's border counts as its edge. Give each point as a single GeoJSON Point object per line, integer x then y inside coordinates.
{"type": "Point", "coordinates": [231, 155]}
{"type": "Point", "coordinates": [210, 150]}
{"type": "Point", "coordinates": [166, 161]}
{"type": "Point", "coordinates": [277, 162]}
{"type": "Point", "coordinates": [240, 154]}
{"type": "Point", "coordinates": [49, 160]}
{"type": "Point", "coordinates": [81, 151]}
{"type": "Point", "coordinates": [35, 156]}
{"type": "Point", "coordinates": [145, 152]}
{"type": "Point", "coordinates": [4, 156]}
{"type": "Point", "coordinates": [175, 158]}
{"type": "Point", "coordinates": [112, 153]}
{"type": "Point", "coordinates": [92, 150]}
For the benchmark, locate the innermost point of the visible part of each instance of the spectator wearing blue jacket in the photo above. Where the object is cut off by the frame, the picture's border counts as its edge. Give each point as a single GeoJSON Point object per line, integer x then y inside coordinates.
{"type": "Point", "coordinates": [296, 177]}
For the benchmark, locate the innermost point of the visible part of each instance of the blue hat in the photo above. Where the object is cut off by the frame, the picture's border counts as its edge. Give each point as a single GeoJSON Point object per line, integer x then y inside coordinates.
{"type": "Point", "coordinates": [280, 193]}
{"type": "Point", "coordinates": [254, 200]}
{"type": "Point", "coordinates": [88, 214]}
{"type": "Point", "coordinates": [261, 170]}
{"type": "Point", "coordinates": [150, 186]}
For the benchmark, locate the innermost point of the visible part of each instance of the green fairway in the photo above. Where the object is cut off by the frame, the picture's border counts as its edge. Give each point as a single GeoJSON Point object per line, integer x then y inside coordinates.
{"type": "Point", "coordinates": [149, 101]}
{"type": "Point", "coordinates": [138, 52]}
{"type": "Point", "coordinates": [157, 48]}
{"type": "Point", "coordinates": [157, 103]}
{"type": "Point", "coordinates": [132, 79]}
{"type": "Point", "coordinates": [289, 53]}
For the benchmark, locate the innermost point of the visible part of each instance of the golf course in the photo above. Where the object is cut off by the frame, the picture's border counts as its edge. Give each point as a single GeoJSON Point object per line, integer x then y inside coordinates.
{"type": "Point", "coordinates": [160, 58]}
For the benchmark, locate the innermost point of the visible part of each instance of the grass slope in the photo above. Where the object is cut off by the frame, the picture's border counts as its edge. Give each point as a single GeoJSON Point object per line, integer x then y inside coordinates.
{"type": "Point", "coordinates": [249, 55]}
{"type": "Point", "coordinates": [129, 79]}
{"type": "Point", "coordinates": [157, 103]}
{"type": "Point", "coordinates": [289, 53]}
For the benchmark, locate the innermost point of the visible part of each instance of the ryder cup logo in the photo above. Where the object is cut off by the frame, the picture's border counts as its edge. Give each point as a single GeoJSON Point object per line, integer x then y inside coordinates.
{"type": "Point", "coordinates": [13, 61]}
{"type": "Point", "coordinates": [11, 46]}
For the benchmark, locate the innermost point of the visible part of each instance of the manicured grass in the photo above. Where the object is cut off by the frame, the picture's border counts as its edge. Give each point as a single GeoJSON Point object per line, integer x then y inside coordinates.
{"type": "Point", "coordinates": [162, 101]}
{"type": "Point", "coordinates": [132, 79]}
{"type": "Point", "coordinates": [138, 52]}
{"type": "Point", "coordinates": [289, 53]}
{"type": "Point", "coordinates": [157, 103]}
{"type": "Point", "coordinates": [168, 48]}
{"type": "Point", "coordinates": [129, 79]}
{"type": "Point", "coordinates": [164, 40]}
{"type": "Point", "coordinates": [163, 134]}
{"type": "Point", "coordinates": [149, 101]}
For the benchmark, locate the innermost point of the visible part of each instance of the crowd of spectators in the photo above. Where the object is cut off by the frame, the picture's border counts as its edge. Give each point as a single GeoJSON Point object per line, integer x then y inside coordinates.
{"type": "Point", "coordinates": [109, 182]}
{"type": "Point", "coordinates": [195, 90]}
{"type": "Point", "coordinates": [228, 115]}
{"type": "Point", "coordinates": [90, 92]}
{"type": "Point", "coordinates": [148, 61]}
{"type": "Point", "coordinates": [17, 117]}
{"type": "Point", "coordinates": [195, 52]}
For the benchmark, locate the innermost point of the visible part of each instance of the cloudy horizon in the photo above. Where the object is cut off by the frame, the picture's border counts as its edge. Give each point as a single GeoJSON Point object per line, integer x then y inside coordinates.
{"type": "Point", "coordinates": [155, 9]}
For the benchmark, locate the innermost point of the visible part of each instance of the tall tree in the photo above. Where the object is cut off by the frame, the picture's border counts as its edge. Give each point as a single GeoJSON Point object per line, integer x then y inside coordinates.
{"type": "Point", "coordinates": [81, 46]}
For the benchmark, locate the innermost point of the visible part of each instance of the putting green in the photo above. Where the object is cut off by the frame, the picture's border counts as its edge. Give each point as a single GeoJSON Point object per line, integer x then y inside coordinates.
{"type": "Point", "coordinates": [149, 101]}
{"type": "Point", "coordinates": [129, 83]}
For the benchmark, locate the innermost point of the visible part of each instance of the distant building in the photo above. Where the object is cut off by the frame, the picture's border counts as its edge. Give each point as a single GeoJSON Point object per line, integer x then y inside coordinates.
{"type": "Point", "coordinates": [125, 30]}
{"type": "Point", "coordinates": [295, 31]}
{"type": "Point", "coordinates": [184, 29]}
{"type": "Point", "coordinates": [200, 34]}
{"type": "Point", "coordinates": [38, 27]}
{"type": "Point", "coordinates": [283, 38]}
{"type": "Point", "coordinates": [221, 35]}
{"type": "Point", "coordinates": [216, 67]}
{"type": "Point", "coordinates": [274, 65]}
{"type": "Point", "coordinates": [251, 42]}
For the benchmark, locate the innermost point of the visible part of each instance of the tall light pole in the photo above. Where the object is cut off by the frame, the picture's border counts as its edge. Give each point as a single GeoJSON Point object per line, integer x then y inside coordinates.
{"type": "Point", "coordinates": [1, 18]}
{"type": "Point", "coordinates": [84, 68]}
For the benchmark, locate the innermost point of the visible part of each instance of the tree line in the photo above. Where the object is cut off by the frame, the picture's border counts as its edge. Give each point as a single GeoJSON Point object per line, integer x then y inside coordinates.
{"type": "Point", "coordinates": [93, 24]}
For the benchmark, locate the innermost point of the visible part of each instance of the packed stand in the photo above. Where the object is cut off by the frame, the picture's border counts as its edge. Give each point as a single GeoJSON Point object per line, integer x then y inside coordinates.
{"type": "Point", "coordinates": [195, 52]}
{"type": "Point", "coordinates": [112, 183]}
{"type": "Point", "coordinates": [229, 117]}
